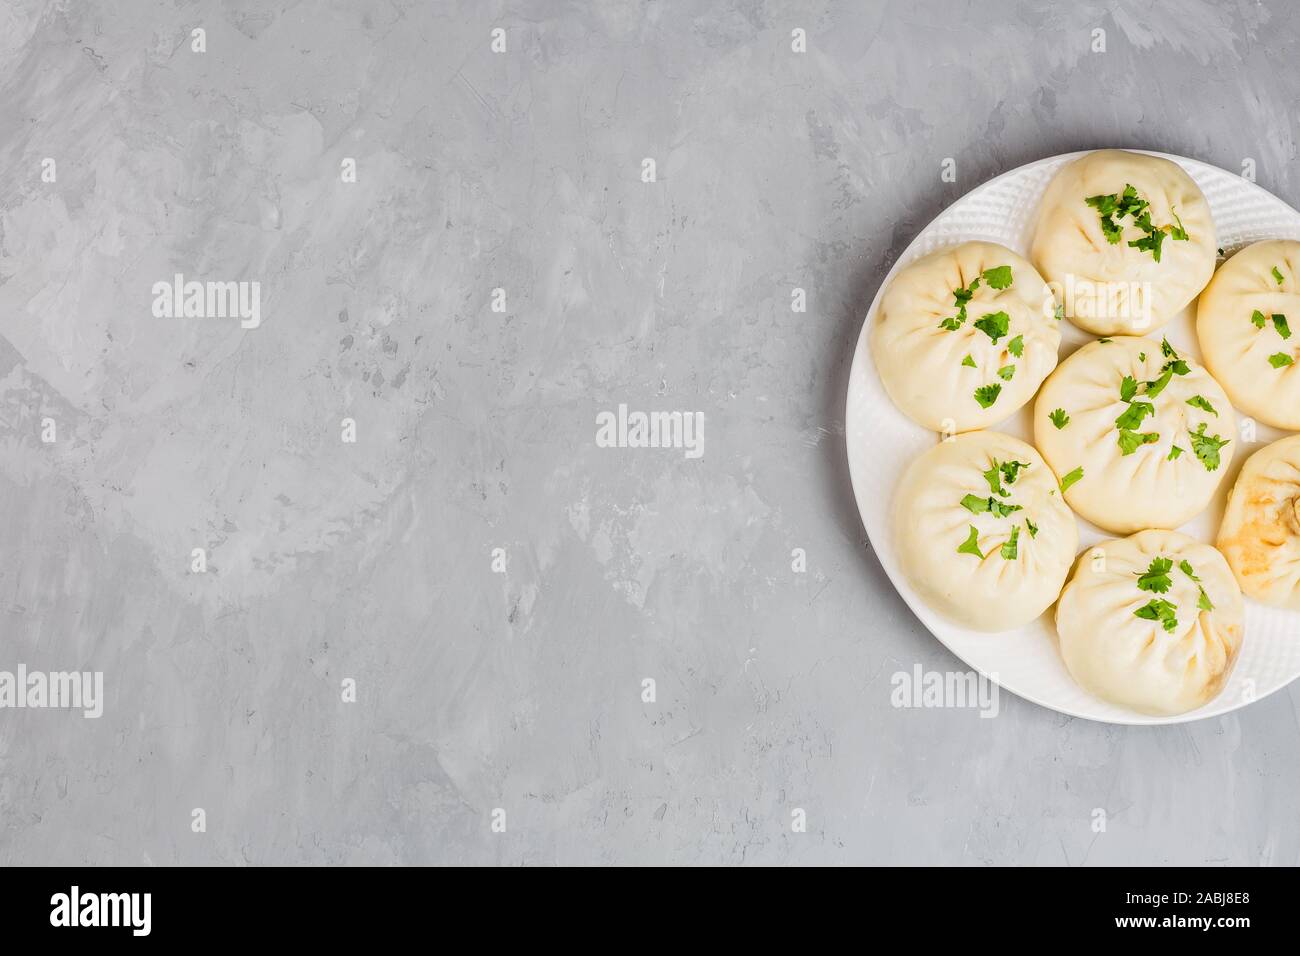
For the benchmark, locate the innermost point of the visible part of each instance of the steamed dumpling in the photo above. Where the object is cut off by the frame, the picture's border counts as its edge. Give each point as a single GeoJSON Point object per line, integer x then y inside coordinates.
{"type": "Point", "coordinates": [1260, 534]}
{"type": "Point", "coordinates": [963, 337]}
{"type": "Point", "coordinates": [1152, 622]}
{"type": "Point", "coordinates": [983, 536]}
{"type": "Point", "coordinates": [1125, 240]}
{"type": "Point", "coordinates": [1248, 321]}
{"type": "Point", "coordinates": [1139, 436]}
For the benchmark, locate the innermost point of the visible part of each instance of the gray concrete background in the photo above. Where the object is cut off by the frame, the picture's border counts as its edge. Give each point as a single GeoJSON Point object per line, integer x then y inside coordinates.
{"type": "Point", "coordinates": [373, 561]}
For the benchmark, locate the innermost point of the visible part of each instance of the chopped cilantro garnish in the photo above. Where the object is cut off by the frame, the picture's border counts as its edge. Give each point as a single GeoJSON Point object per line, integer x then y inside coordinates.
{"type": "Point", "coordinates": [1186, 567]}
{"type": "Point", "coordinates": [971, 545]}
{"type": "Point", "coordinates": [1280, 360]}
{"type": "Point", "coordinates": [1033, 528]}
{"type": "Point", "coordinates": [1259, 318]}
{"type": "Point", "coordinates": [986, 395]}
{"type": "Point", "coordinates": [994, 325]}
{"type": "Point", "coordinates": [1174, 452]}
{"type": "Point", "coordinates": [1204, 602]}
{"type": "Point", "coordinates": [1113, 207]}
{"type": "Point", "coordinates": [1277, 276]}
{"type": "Point", "coordinates": [1006, 371]}
{"type": "Point", "coordinates": [1201, 402]}
{"type": "Point", "coordinates": [1011, 470]}
{"type": "Point", "coordinates": [1158, 386]}
{"type": "Point", "coordinates": [1071, 478]}
{"type": "Point", "coordinates": [1159, 609]}
{"type": "Point", "coordinates": [1128, 388]}
{"type": "Point", "coordinates": [968, 362]}
{"type": "Point", "coordinates": [1009, 549]}
{"type": "Point", "coordinates": [998, 277]}
{"type": "Point", "coordinates": [1207, 447]}
{"type": "Point", "coordinates": [1017, 345]}
{"type": "Point", "coordinates": [1059, 418]}
{"type": "Point", "coordinates": [1130, 441]}
{"type": "Point", "coordinates": [1131, 418]}
{"type": "Point", "coordinates": [1280, 323]}
{"type": "Point", "coordinates": [1157, 576]}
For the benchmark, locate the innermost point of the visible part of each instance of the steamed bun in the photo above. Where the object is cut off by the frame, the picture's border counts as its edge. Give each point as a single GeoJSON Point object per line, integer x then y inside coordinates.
{"type": "Point", "coordinates": [982, 534]}
{"type": "Point", "coordinates": [964, 336]}
{"type": "Point", "coordinates": [1125, 240]}
{"type": "Point", "coordinates": [1260, 534]}
{"type": "Point", "coordinates": [1248, 321]}
{"type": "Point", "coordinates": [1139, 436]}
{"type": "Point", "coordinates": [1152, 622]}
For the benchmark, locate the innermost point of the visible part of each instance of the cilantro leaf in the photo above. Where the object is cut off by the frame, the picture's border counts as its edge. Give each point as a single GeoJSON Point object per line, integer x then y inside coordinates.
{"type": "Point", "coordinates": [1130, 441]}
{"type": "Point", "coordinates": [1128, 388]}
{"type": "Point", "coordinates": [1207, 447]}
{"type": "Point", "coordinates": [975, 505]}
{"type": "Point", "coordinates": [971, 545]}
{"type": "Point", "coordinates": [1158, 609]}
{"type": "Point", "coordinates": [994, 325]}
{"type": "Point", "coordinates": [1157, 576]}
{"type": "Point", "coordinates": [968, 362]}
{"type": "Point", "coordinates": [1070, 478]}
{"type": "Point", "coordinates": [1006, 371]}
{"type": "Point", "coordinates": [1017, 345]}
{"type": "Point", "coordinates": [1186, 567]}
{"type": "Point", "coordinates": [1009, 549]}
{"type": "Point", "coordinates": [1059, 418]}
{"type": "Point", "coordinates": [1011, 470]}
{"type": "Point", "coordinates": [1277, 276]}
{"type": "Point", "coordinates": [1201, 402]}
{"type": "Point", "coordinates": [1280, 360]}
{"type": "Point", "coordinates": [1259, 318]}
{"type": "Point", "coordinates": [1033, 528]}
{"type": "Point", "coordinates": [1204, 602]}
{"type": "Point", "coordinates": [1131, 418]}
{"type": "Point", "coordinates": [999, 277]}
{"type": "Point", "coordinates": [1174, 452]}
{"type": "Point", "coordinates": [986, 395]}
{"type": "Point", "coordinates": [1280, 323]}
{"type": "Point", "coordinates": [1158, 386]}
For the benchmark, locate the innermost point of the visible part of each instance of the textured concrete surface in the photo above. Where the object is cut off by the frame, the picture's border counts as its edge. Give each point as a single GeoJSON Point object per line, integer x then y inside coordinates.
{"type": "Point", "coordinates": [373, 560]}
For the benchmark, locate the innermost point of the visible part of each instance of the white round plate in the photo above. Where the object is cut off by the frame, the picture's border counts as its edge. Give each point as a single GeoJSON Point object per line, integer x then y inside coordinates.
{"type": "Point", "coordinates": [882, 441]}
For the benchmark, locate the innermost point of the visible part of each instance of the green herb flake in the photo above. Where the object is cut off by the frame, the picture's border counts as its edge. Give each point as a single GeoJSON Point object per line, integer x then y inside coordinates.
{"type": "Point", "coordinates": [968, 362]}
{"type": "Point", "coordinates": [1059, 418]}
{"type": "Point", "coordinates": [1131, 418]}
{"type": "Point", "coordinates": [1155, 388]}
{"type": "Point", "coordinates": [1201, 402]}
{"type": "Point", "coordinates": [1174, 452]}
{"type": "Point", "coordinates": [1259, 318]}
{"type": "Point", "coordinates": [1277, 275]}
{"type": "Point", "coordinates": [1280, 360]}
{"type": "Point", "coordinates": [1157, 577]}
{"type": "Point", "coordinates": [1186, 567]}
{"type": "Point", "coordinates": [999, 277]}
{"type": "Point", "coordinates": [1204, 602]}
{"type": "Point", "coordinates": [972, 544]}
{"type": "Point", "coordinates": [1071, 478]}
{"type": "Point", "coordinates": [1006, 371]}
{"type": "Point", "coordinates": [1206, 447]}
{"type": "Point", "coordinates": [986, 395]}
{"type": "Point", "coordinates": [1011, 470]}
{"type": "Point", "coordinates": [1128, 388]}
{"type": "Point", "coordinates": [1017, 345]}
{"type": "Point", "coordinates": [1280, 323]}
{"type": "Point", "coordinates": [1158, 609]}
{"type": "Point", "coordinates": [994, 325]}
{"type": "Point", "coordinates": [1033, 528]}
{"type": "Point", "coordinates": [1130, 441]}
{"type": "Point", "coordinates": [1010, 551]}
